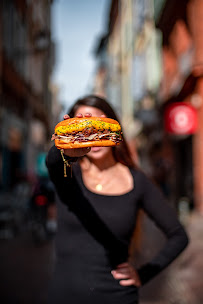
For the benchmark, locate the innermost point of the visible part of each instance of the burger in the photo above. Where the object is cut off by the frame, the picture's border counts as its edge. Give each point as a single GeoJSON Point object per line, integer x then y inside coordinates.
{"type": "Point", "coordinates": [87, 132]}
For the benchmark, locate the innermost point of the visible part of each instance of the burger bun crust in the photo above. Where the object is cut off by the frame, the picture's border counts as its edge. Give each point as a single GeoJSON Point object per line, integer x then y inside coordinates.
{"type": "Point", "coordinates": [78, 120]}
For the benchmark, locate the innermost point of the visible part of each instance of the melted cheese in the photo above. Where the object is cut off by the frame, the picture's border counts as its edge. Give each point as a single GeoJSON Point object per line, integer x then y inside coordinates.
{"type": "Point", "coordinates": [99, 125]}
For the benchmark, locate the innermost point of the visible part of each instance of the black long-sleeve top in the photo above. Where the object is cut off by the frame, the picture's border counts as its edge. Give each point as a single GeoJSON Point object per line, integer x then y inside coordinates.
{"type": "Point", "coordinates": [94, 234]}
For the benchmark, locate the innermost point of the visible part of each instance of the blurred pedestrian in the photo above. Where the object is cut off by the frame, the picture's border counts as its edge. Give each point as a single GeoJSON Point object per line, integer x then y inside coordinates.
{"type": "Point", "coordinates": [43, 203]}
{"type": "Point", "coordinates": [103, 195]}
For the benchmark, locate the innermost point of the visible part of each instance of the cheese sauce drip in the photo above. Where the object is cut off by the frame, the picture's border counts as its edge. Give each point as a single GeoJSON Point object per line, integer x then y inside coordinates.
{"type": "Point", "coordinates": [99, 125]}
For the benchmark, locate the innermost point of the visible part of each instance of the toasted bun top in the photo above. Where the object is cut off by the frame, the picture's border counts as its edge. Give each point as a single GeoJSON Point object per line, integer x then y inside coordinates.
{"type": "Point", "coordinates": [78, 124]}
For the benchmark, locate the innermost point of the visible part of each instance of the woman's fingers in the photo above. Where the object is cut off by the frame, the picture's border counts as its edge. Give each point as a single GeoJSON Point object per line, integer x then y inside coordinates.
{"type": "Point", "coordinates": [66, 116]}
{"type": "Point", "coordinates": [126, 279]}
{"type": "Point", "coordinates": [119, 275]}
{"type": "Point", "coordinates": [88, 115]}
{"type": "Point", "coordinates": [126, 274]}
{"type": "Point", "coordinates": [79, 115]}
{"type": "Point", "coordinates": [123, 270]}
{"type": "Point", "coordinates": [129, 282]}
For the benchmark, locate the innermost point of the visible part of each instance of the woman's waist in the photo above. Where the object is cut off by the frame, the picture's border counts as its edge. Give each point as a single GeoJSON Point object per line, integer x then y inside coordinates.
{"type": "Point", "coordinates": [92, 257]}
{"type": "Point", "coordinates": [95, 277]}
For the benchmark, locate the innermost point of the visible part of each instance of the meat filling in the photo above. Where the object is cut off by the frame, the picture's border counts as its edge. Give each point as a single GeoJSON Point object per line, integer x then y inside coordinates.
{"type": "Point", "coordinates": [89, 134]}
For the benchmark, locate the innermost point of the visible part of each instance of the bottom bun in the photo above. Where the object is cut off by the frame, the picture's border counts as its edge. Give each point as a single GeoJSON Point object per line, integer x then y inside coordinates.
{"type": "Point", "coordinates": [60, 144]}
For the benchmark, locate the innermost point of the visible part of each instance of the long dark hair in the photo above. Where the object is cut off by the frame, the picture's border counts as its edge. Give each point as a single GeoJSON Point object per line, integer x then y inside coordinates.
{"type": "Point", "coordinates": [121, 153]}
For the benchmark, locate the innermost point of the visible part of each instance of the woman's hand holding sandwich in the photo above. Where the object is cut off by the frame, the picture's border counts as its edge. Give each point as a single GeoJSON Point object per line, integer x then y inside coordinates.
{"type": "Point", "coordinates": [77, 135]}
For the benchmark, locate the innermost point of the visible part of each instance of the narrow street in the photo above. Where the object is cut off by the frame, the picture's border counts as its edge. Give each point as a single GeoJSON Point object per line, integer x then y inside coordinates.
{"type": "Point", "coordinates": [26, 268]}
{"type": "Point", "coordinates": [145, 59]}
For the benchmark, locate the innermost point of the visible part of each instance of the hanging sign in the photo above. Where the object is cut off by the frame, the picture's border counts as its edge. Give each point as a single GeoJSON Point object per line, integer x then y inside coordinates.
{"type": "Point", "coordinates": [180, 118]}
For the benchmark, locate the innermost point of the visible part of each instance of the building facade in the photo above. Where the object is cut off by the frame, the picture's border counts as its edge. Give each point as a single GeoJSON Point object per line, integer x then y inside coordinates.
{"type": "Point", "coordinates": [132, 66]}
{"type": "Point", "coordinates": [153, 58]}
{"type": "Point", "coordinates": [182, 53]}
{"type": "Point", "coordinates": [26, 62]}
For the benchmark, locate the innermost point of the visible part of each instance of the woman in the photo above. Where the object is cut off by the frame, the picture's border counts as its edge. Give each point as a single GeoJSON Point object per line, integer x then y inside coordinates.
{"type": "Point", "coordinates": [102, 198]}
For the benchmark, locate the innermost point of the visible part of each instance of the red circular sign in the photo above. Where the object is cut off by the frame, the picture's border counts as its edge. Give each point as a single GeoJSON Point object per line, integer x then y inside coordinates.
{"type": "Point", "coordinates": [180, 118]}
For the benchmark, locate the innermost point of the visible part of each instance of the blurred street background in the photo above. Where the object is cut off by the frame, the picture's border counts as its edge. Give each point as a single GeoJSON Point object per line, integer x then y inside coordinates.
{"type": "Point", "coordinates": [148, 62]}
